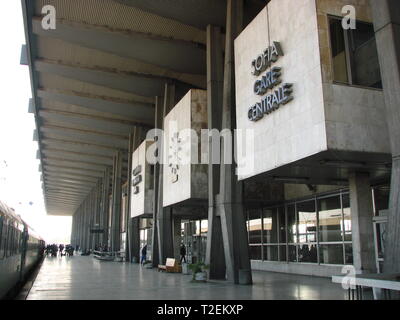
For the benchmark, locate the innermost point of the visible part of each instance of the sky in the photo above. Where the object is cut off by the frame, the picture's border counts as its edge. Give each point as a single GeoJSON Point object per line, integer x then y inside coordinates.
{"type": "Point", "coordinates": [20, 185]}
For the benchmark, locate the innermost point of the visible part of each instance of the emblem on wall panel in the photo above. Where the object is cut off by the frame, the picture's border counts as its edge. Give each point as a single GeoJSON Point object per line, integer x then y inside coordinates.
{"type": "Point", "coordinates": [137, 170]}
{"type": "Point", "coordinates": [173, 157]}
{"type": "Point", "coordinates": [136, 180]}
{"type": "Point", "coordinates": [136, 190]}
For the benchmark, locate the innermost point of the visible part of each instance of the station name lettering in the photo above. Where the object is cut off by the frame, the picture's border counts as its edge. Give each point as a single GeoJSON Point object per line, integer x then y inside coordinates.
{"type": "Point", "coordinates": [269, 81]}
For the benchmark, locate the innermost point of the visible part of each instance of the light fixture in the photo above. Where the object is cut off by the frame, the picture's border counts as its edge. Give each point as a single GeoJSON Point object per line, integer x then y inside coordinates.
{"type": "Point", "coordinates": [292, 179]}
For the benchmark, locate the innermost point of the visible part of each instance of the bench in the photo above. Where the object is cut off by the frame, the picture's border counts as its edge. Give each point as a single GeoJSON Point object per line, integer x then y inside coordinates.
{"type": "Point", "coordinates": [171, 265]}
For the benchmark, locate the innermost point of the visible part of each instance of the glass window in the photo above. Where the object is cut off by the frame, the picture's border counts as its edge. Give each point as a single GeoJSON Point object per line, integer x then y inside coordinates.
{"type": "Point", "coordinates": [308, 253]}
{"type": "Point", "coordinates": [354, 54]}
{"type": "Point", "coordinates": [204, 227]}
{"type": "Point", "coordinates": [307, 221]}
{"type": "Point", "coordinates": [381, 198]}
{"type": "Point", "coordinates": [292, 253]}
{"type": "Point", "coordinates": [270, 226]}
{"type": "Point", "coordinates": [291, 227]}
{"type": "Point", "coordinates": [331, 254]}
{"type": "Point", "coordinates": [254, 227]}
{"type": "Point", "coordinates": [282, 253]}
{"type": "Point", "coordinates": [270, 253]}
{"type": "Point", "coordinates": [364, 56]}
{"type": "Point", "coordinates": [2, 237]}
{"type": "Point", "coordinates": [281, 224]}
{"type": "Point", "coordinates": [348, 250]}
{"type": "Point", "coordinates": [255, 252]}
{"type": "Point", "coordinates": [330, 219]}
{"type": "Point", "coordinates": [347, 217]}
{"type": "Point", "coordinates": [338, 51]}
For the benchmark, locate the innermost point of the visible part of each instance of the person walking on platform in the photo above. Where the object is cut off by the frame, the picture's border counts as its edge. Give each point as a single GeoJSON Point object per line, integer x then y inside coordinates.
{"type": "Point", "coordinates": [61, 248]}
{"type": "Point", "coordinates": [143, 254]}
{"type": "Point", "coordinates": [183, 253]}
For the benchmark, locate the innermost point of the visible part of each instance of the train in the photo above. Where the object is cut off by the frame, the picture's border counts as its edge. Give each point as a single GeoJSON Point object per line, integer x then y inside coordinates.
{"type": "Point", "coordinates": [21, 249]}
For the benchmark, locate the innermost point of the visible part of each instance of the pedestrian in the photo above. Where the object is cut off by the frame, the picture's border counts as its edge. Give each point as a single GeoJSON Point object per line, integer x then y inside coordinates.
{"type": "Point", "coordinates": [183, 253]}
{"type": "Point", "coordinates": [143, 254]}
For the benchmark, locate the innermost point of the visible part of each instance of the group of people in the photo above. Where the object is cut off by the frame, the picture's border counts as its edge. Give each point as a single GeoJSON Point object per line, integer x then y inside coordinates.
{"type": "Point", "coordinates": [53, 250]}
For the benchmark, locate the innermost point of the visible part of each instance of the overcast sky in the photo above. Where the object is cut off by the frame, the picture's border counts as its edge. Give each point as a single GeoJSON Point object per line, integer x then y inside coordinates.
{"type": "Point", "coordinates": [19, 174]}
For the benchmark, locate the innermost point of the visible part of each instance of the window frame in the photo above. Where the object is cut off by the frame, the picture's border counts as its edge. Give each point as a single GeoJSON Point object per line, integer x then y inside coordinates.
{"type": "Point", "coordinates": [348, 54]}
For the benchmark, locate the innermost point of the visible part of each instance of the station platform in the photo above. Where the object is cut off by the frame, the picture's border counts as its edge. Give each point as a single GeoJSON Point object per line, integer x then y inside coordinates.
{"type": "Point", "coordinates": [86, 278]}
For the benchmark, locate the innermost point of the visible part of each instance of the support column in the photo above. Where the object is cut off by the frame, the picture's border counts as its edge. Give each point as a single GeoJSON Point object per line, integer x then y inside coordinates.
{"type": "Point", "coordinates": [230, 204]}
{"type": "Point", "coordinates": [386, 15]}
{"type": "Point", "coordinates": [132, 234]}
{"type": "Point", "coordinates": [128, 233]}
{"type": "Point", "coordinates": [164, 216]}
{"type": "Point", "coordinates": [159, 103]}
{"type": "Point", "coordinates": [116, 203]}
{"type": "Point", "coordinates": [135, 238]}
{"type": "Point", "coordinates": [105, 205]}
{"type": "Point", "coordinates": [215, 78]}
{"type": "Point", "coordinates": [361, 223]}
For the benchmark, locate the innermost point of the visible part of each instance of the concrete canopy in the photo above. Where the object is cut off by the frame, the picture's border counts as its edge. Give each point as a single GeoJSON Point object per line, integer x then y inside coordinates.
{"type": "Point", "coordinates": [95, 78]}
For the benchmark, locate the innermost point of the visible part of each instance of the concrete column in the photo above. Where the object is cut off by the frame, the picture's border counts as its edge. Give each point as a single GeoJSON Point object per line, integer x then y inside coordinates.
{"type": "Point", "coordinates": [116, 203]}
{"type": "Point", "coordinates": [386, 15]}
{"type": "Point", "coordinates": [105, 206]}
{"type": "Point", "coordinates": [229, 203]}
{"type": "Point", "coordinates": [128, 233]}
{"type": "Point", "coordinates": [215, 78]}
{"type": "Point", "coordinates": [176, 227]}
{"type": "Point", "coordinates": [164, 216]}
{"type": "Point", "coordinates": [361, 223]}
{"type": "Point", "coordinates": [159, 103]}
{"type": "Point", "coordinates": [98, 210]}
{"type": "Point", "coordinates": [135, 238]}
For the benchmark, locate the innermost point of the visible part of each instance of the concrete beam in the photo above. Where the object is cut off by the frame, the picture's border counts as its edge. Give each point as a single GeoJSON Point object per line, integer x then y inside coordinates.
{"type": "Point", "coordinates": [83, 139]}
{"type": "Point", "coordinates": [136, 83]}
{"type": "Point", "coordinates": [85, 123]}
{"type": "Point", "coordinates": [73, 164]}
{"type": "Point", "coordinates": [177, 55]}
{"type": "Point", "coordinates": [77, 172]}
{"type": "Point", "coordinates": [78, 147]}
{"type": "Point", "coordinates": [70, 177]}
{"type": "Point", "coordinates": [134, 111]}
{"type": "Point", "coordinates": [191, 12]}
{"type": "Point", "coordinates": [50, 153]}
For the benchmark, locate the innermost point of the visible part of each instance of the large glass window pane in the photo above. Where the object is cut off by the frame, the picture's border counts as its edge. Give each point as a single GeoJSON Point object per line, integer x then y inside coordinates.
{"type": "Point", "coordinates": [365, 63]}
{"type": "Point", "coordinates": [254, 227]}
{"type": "Point", "coordinates": [204, 227]}
{"type": "Point", "coordinates": [338, 51]}
{"type": "Point", "coordinates": [347, 217]}
{"type": "Point", "coordinates": [255, 252]}
{"type": "Point", "coordinates": [331, 254]}
{"type": "Point", "coordinates": [292, 253]}
{"type": "Point", "coordinates": [270, 253]}
{"type": "Point", "coordinates": [291, 227]}
{"type": "Point", "coordinates": [307, 221]}
{"type": "Point", "coordinates": [282, 252]}
{"type": "Point", "coordinates": [348, 253]}
{"type": "Point", "coordinates": [381, 198]}
{"type": "Point", "coordinates": [270, 226]}
{"type": "Point", "coordinates": [330, 219]}
{"type": "Point", "coordinates": [308, 253]}
{"type": "Point", "coordinates": [281, 224]}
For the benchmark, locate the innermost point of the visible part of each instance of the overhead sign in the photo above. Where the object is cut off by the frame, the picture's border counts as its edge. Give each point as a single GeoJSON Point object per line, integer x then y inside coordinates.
{"type": "Point", "coordinates": [265, 86]}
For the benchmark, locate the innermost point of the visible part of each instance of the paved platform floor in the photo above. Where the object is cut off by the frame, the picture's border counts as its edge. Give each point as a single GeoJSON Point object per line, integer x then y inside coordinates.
{"type": "Point", "coordinates": [83, 278]}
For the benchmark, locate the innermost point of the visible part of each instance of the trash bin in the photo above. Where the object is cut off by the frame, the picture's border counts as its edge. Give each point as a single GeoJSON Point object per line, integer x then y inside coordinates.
{"type": "Point", "coordinates": [245, 276]}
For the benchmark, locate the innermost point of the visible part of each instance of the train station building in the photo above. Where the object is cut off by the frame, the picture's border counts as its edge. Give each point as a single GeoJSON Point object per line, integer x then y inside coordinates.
{"type": "Point", "coordinates": [305, 110]}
